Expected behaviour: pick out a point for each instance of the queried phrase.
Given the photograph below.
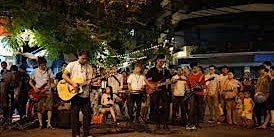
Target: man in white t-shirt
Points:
(115, 80)
(43, 77)
(80, 70)
(211, 94)
(179, 82)
(136, 84)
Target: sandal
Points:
(50, 127)
(261, 127)
(40, 127)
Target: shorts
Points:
(46, 103)
(247, 115)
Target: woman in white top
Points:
(136, 84)
(107, 103)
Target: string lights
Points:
(128, 62)
(138, 51)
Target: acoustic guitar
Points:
(67, 92)
(37, 96)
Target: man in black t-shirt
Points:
(159, 100)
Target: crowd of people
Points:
(141, 95)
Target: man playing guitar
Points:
(43, 78)
(159, 105)
(196, 83)
(80, 70)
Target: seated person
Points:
(107, 103)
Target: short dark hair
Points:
(202, 69)
(101, 69)
(210, 66)
(13, 68)
(179, 67)
(4, 62)
(268, 63)
(230, 71)
(84, 52)
(262, 67)
(41, 60)
(193, 64)
(160, 56)
(225, 66)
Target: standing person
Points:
(58, 76)
(267, 65)
(125, 77)
(230, 91)
(196, 83)
(14, 90)
(101, 85)
(43, 76)
(3, 90)
(211, 93)
(247, 113)
(247, 83)
(24, 89)
(180, 86)
(136, 84)
(145, 101)
(222, 78)
(80, 69)
(261, 94)
(159, 99)
(270, 105)
(116, 82)
(187, 71)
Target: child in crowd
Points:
(107, 103)
(248, 106)
(239, 106)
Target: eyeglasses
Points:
(162, 61)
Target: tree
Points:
(100, 26)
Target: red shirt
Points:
(196, 80)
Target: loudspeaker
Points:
(63, 119)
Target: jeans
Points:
(132, 99)
(196, 107)
(179, 102)
(77, 104)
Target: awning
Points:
(258, 7)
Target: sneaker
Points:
(188, 127)
(193, 127)
(211, 121)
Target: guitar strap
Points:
(116, 79)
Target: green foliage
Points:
(72, 25)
